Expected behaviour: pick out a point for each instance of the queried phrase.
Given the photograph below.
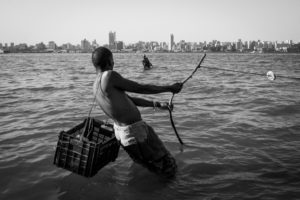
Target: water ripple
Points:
(240, 131)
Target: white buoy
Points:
(271, 76)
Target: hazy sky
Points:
(33, 21)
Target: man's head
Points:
(102, 58)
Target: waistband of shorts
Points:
(135, 124)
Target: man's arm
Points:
(132, 86)
(147, 103)
(141, 102)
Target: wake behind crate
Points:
(87, 147)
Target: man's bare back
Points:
(114, 101)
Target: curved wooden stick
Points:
(171, 100)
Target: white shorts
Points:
(131, 134)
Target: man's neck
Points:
(100, 71)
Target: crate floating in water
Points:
(86, 154)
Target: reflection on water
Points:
(241, 131)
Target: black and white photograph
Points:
(149, 100)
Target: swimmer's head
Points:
(102, 58)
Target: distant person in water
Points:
(137, 138)
(146, 63)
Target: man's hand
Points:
(164, 105)
(176, 87)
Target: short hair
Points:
(100, 57)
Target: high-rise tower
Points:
(172, 43)
(112, 40)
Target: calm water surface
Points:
(242, 132)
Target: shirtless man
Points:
(137, 138)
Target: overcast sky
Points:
(63, 21)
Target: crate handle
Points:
(87, 129)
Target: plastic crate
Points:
(86, 154)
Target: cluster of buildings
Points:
(84, 47)
(114, 45)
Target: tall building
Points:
(172, 43)
(119, 45)
(40, 46)
(85, 45)
(270, 45)
(69, 46)
(112, 40)
(95, 44)
(239, 44)
(276, 45)
(265, 44)
(52, 45)
(290, 42)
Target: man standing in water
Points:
(137, 138)
(146, 63)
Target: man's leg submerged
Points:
(153, 155)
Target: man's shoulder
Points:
(111, 74)
(112, 77)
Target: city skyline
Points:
(110, 40)
(153, 46)
(35, 21)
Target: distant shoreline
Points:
(208, 52)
